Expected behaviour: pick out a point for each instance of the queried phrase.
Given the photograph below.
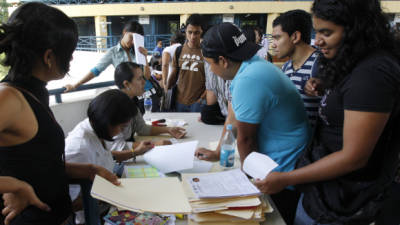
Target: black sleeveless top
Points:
(40, 161)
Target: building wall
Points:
(269, 8)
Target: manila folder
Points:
(156, 195)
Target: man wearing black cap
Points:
(270, 115)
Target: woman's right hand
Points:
(143, 147)
(205, 154)
(313, 87)
(17, 201)
(69, 87)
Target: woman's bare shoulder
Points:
(10, 98)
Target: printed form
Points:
(231, 183)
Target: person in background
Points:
(38, 42)
(122, 52)
(270, 118)
(262, 40)
(129, 79)
(155, 66)
(190, 81)
(108, 114)
(252, 35)
(159, 47)
(176, 41)
(291, 36)
(346, 172)
(217, 98)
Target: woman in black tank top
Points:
(38, 42)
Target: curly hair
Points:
(366, 29)
(31, 30)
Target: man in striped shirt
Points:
(291, 38)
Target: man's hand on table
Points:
(206, 154)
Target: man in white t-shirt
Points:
(176, 40)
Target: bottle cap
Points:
(229, 126)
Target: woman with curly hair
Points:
(348, 168)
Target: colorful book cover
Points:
(125, 217)
(143, 171)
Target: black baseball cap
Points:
(227, 39)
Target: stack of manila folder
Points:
(226, 210)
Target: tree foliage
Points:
(3, 18)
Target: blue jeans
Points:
(90, 204)
(302, 218)
(195, 107)
(119, 169)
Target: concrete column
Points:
(183, 18)
(100, 24)
(271, 18)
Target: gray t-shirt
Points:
(220, 87)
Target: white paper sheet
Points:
(138, 41)
(258, 165)
(170, 158)
(199, 166)
(176, 122)
(231, 183)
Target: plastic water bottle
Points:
(227, 155)
(148, 103)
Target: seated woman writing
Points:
(129, 78)
(108, 114)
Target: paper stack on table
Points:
(226, 197)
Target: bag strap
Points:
(178, 52)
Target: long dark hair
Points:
(32, 29)
(366, 29)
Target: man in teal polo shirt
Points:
(269, 112)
